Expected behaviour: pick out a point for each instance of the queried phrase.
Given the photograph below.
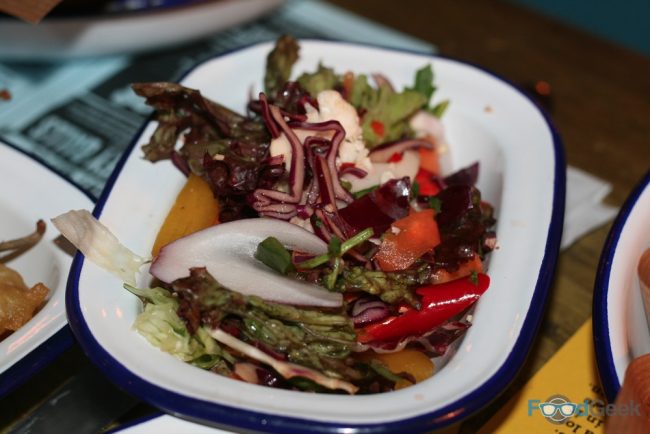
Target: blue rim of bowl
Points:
(223, 416)
(602, 343)
(41, 356)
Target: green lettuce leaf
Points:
(322, 79)
(162, 327)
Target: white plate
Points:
(522, 173)
(621, 331)
(121, 33)
(166, 424)
(28, 192)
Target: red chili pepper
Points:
(378, 128)
(396, 157)
(439, 303)
(428, 187)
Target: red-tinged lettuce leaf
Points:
(179, 109)
(379, 208)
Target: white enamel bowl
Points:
(621, 331)
(29, 191)
(522, 173)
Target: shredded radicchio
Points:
(314, 185)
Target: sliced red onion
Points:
(318, 222)
(297, 171)
(383, 153)
(264, 197)
(227, 252)
(276, 160)
(293, 117)
(337, 138)
(367, 310)
(304, 211)
(353, 171)
(299, 257)
(266, 116)
(313, 192)
(325, 184)
(280, 211)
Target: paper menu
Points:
(569, 376)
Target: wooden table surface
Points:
(600, 103)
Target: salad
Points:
(316, 244)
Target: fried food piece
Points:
(18, 302)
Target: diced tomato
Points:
(465, 269)
(429, 160)
(396, 157)
(428, 187)
(378, 128)
(407, 240)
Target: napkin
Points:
(584, 208)
(32, 11)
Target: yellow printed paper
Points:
(563, 397)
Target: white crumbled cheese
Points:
(354, 152)
(386, 176)
(281, 146)
(332, 106)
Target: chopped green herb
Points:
(415, 189)
(274, 255)
(357, 239)
(473, 277)
(435, 204)
(336, 249)
(346, 184)
(334, 246)
(359, 194)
